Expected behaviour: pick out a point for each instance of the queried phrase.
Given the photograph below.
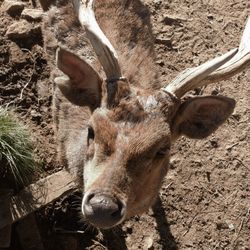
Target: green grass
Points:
(15, 148)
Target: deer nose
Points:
(103, 210)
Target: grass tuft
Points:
(15, 148)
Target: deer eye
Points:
(162, 152)
(91, 135)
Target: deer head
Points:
(131, 129)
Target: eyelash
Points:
(161, 153)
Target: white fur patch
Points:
(91, 172)
(148, 102)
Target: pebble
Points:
(13, 8)
(17, 55)
(32, 14)
(164, 40)
(173, 20)
(43, 89)
(20, 30)
(35, 114)
(148, 242)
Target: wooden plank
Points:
(39, 194)
(5, 214)
(5, 236)
(28, 233)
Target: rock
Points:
(12, 7)
(38, 50)
(214, 143)
(19, 29)
(32, 14)
(43, 89)
(230, 225)
(148, 242)
(163, 40)
(35, 114)
(174, 20)
(221, 225)
(160, 62)
(128, 228)
(210, 16)
(17, 55)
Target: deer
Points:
(115, 122)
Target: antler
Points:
(215, 70)
(102, 46)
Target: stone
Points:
(22, 30)
(19, 29)
(148, 242)
(43, 89)
(13, 8)
(17, 55)
(163, 40)
(32, 14)
(173, 20)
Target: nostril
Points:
(119, 211)
(89, 197)
(116, 214)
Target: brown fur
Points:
(135, 124)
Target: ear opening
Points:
(83, 87)
(199, 117)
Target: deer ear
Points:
(198, 117)
(83, 86)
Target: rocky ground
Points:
(205, 199)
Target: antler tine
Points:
(102, 46)
(215, 70)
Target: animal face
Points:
(128, 154)
(129, 137)
(122, 142)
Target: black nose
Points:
(103, 210)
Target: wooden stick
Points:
(5, 236)
(28, 233)
(38, 195)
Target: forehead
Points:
(138, 120)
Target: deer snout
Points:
(103, 210)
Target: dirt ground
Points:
(204, 202)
